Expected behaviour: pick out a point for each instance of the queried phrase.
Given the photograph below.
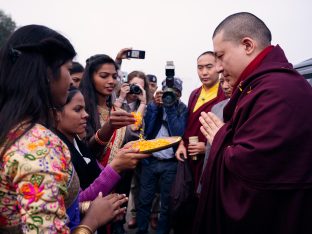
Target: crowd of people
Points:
(67, 165)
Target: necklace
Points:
(104, 114)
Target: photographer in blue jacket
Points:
(162, 120)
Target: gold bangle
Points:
(82, 229)
(98, 140)
(84, 206)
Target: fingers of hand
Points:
(193, 145)
(120, 113)
(114, 200)
(204, 131)
(129, 152)
(121, 199)
(218, 122)
(111, 196)
(128, 145)
(208, 134)
(141, 156)
(121, 122)
(193, 151)
(120, 212)
(181, 155)
(206, 122)
(209, 124)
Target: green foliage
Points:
(7, 26)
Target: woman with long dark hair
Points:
(98, 87)
(37, 180)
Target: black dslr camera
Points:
(135, 89)
(169, 96)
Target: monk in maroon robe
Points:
(258, 178)
(201, 99)
(193, 129)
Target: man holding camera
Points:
(164, 119)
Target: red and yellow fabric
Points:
(115, 141)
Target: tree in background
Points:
(7, 26)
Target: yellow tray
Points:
(172, 141)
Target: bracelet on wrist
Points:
(98, 140)
(82, 229)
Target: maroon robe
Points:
(184, 222)
(258, 178)
(193, 128)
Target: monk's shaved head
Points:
(244, 24)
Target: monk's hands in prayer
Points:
(158, 98)
(196, 148)
(210, 125)
(127, 158)
(105, 209)
(119, 119)
(181, 152)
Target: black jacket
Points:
(87, 173)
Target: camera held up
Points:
(169, 96)
(135, 89)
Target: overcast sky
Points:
(176, 30)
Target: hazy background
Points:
(177, 30)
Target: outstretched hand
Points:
(210, 125)
(119, 119)
(127, 158)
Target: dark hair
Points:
(71, 93)
(76, 68)
(207, 52)
(244, 24)
(142, 76)
(25, 60)
(89, 92)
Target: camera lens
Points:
(169, 98)
(135, 89)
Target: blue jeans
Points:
(155, 171)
